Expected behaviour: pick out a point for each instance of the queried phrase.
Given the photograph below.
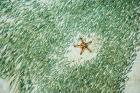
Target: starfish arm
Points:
(82, 50)
(77, 46)
(82, 40)
(89, 42)
(89, 49)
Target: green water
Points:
(32, 32)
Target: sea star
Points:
(83, 45)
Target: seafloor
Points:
(37, 39)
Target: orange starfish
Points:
(83, 45)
